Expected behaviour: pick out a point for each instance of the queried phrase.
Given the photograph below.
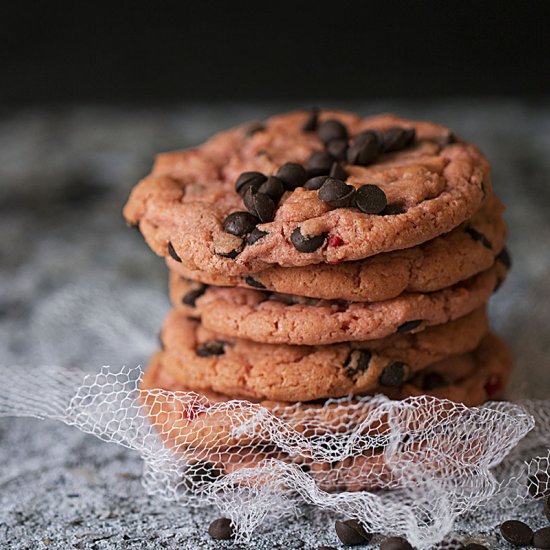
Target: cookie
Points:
(436, 264)
(236, 206)
(202, 359)
(284, 319)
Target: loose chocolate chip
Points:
(394, 374)
(221, 529)
(260, 205)
(338, 148)
(364, 152)
(409, 325)
(315, 183)
(240, 223)
(357, 362)
(475, 546)
(310, 125)
(538, 485)
(199, 474)
(319, 164)
(517, 532)
(392, 210)
(396, 543)
(504, 258)
(541, 538)
(173, 253)
(395, 139)
(210, 348)
(274, 187)
(255, 236)
(331, 129)
(250, 281)
(292, 174)
(477, 236)
(433, 380)
(352, 533)
(337, 171)
(306, 244)
(247, 180)
(336, 193)
(254, 128)
(370, 199)
(191, 297)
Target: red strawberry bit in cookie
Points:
(335, 240)
(493, 386)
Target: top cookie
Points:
(354, 188)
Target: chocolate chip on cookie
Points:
(313, 184)
(392, 210)
(407, 326)
(352, 533)
(173, 253)
(336, 193)
(247, 180)
(477, 236)
(394, 374)
(370, 199)
(364, 149)
(254, 128)
(504, 258)
(395, 139)
(250, 281)
(292, 175)
(337, 171)
(338, 148)
(357, 362)
(191, 297)
(210, 348)
(331, 129)
(260, 205)
(240, 223)
(432, 380)
(255, 236)
(310, 125)
(307, 244)
(274, 187)
(319, 164)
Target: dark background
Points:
(212, 50)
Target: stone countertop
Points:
(74, 283)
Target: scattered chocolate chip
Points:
(396, 543)
(255, 236)
(247, 180)
(475, 546)
(221, 529)
(363, 152)
(254, 128)
(407, 326)
(392, 210)
(504, 258)
(306, 244)
(338, 148)
(199, 474)
(337, 171)
(357, 362)
(274, 187)
(315, 183)
(191, 297)
(394, 374)
(210, 348)
(370, 199)
(260, 205)
(433, 380)
(240, 223)
(331, 129)
(250, 281)
(319, 164)
(541, 538)
(395, 139)
(336, 193)
(352, 533)
(173, 253)
(517, 532)
(310, 125)
(538, 485)
(292, 174)
(477, 236)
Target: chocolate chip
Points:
(370, 199)
(240, 223)
(504, 258)
(319, 164)
(450, 138)
(210, 348)
(250, 281)
(336, 193)
(475, 546)
(368, 136)
(394, 374)
(517, 532)
(326, 548)
(255, 236)
(433, 380)
(310, 125)
(541, 538)
(357, 362)
(247, 180)
(173, 253)
(395, 139)
(392, 210)
(337, 171)
(191, 297)
(363, 152)
(396, 543)
(306, 468)
(221, 529)
(352, 533)
(315, 183)
(199, 474)
(260, 205)
(306, 244)
(538, 485)
(274, 187)
(331, 129)
(477, 236)
(407, 326)
(254, 128)
(292, 174)
(232, 254)
(338, 148)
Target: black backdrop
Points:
(161, 50)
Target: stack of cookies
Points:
(319, 255)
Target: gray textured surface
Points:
(64, 175)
